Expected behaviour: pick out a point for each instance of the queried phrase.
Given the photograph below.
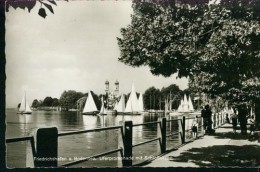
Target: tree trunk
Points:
(2, 85)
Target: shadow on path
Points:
(230, 135)
(222, 156)
(236, 136)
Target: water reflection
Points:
(25, 122)
(89, 121)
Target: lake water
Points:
(88, 144)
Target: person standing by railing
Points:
(194, 127)
(207, 122)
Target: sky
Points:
(73, 49)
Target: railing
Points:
(45, 143)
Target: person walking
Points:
(203, 115)
(234, 120)
(207, 119)
(242, 114)
(194, 127)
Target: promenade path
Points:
(223, 149)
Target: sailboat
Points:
(191, 109)
(24, 107)
(102, 110)
(180, 108)
(90, 107)
(185, 105)
(132, 106)
(120, 107)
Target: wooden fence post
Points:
(128, 142)
(183, 129)
(46, 147)
(163, 134)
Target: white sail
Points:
(27, 109)
(180, 107)
(90, 105)
(191, 109)
(185, 104)
(121, 104)
(24, 106)
(132, 103)
(141, 103)
(102, 109)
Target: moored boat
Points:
(132, 107)
(90, 107)
(103, 110)
(24, 106)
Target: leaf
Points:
(52, 1)
(29, 4)
(42, 12)
(49, 7)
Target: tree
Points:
(216, 46)
(68, 99)
(171, 93)
(152, 98)
(35, 103)
(47, 101)
(55, 102)
(162, 37)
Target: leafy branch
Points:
(30, 4)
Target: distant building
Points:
(111, 96)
